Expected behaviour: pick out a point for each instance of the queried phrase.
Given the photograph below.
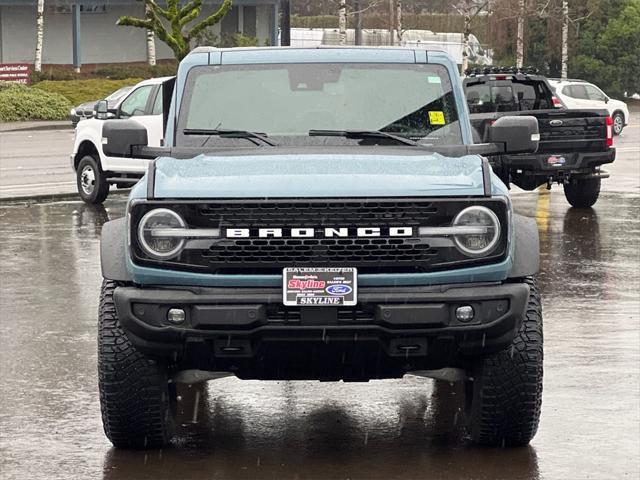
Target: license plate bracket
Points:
(557, 160)
(319, 286)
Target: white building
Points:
(88, 28)
(452, 43)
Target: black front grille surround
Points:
(382, 254)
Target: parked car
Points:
(306, 219)
(574, 144)
(86, 110)
(576, 94)
(94, 170)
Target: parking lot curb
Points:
(51, 197)
(34, 126)
(40, 198)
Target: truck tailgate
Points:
(561, 131)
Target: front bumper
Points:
(406, 322)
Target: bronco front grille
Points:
(270, 255)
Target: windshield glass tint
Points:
(507, 97)
(287, 101)
(118, 94)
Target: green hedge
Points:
(20, 102)
(80, 91)
(121, 72)
(113, 71)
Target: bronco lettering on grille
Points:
(319, 232)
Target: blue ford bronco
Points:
(319, 214)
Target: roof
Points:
(321, 54)
(567, 80)
(308, 49)
(153, 81)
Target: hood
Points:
(87, 105)
(618, 103)
(300, 175)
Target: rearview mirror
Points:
(120, 138)
(102, 109)
(518, 134)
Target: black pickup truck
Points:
(573, 143)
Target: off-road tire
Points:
(507, 387)
(582, 192)
(135, 397)
(618, 123)
(95, 191)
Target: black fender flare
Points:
(526, 256)
(113, 251)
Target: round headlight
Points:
(151, 238)
(477, 244)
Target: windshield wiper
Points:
(231, 133)
(363, 134)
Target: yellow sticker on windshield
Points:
(436, 118)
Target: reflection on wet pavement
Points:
(412, 428)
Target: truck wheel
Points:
(135, 397)
(507, 387)
(582, 193)
(91, 181)
(618, 123)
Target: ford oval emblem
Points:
(339, 289)
(555, 123)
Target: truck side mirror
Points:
(518, 134)
(120, 138)
(102, 110)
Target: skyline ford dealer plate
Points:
(322, 287)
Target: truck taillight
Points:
(556, 102)
(609, 124)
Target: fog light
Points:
(176, 315)
(464, 313)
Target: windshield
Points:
(286, 101)
(118, 94)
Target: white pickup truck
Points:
(95, 171)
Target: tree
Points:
(525, 13)
(399, 21)
(178, 36)
(608, 47)
(565, 39)
(468, 9)
(345, 11)
(39, 35)
(520, 34)
(342, 22)
(151, 42)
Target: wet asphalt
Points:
(50, 425)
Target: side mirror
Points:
(606, 99)
(102, 110)
(518, 134)
(120, 138)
